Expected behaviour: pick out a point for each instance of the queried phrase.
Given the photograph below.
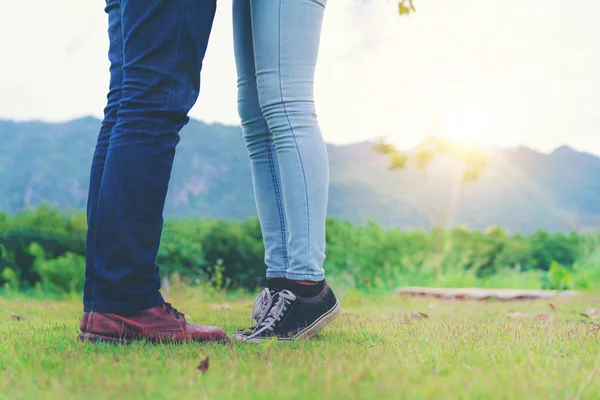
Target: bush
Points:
(62, 275)
(47, 247)
(181, 252)
(238, 249)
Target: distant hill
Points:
(521, 189)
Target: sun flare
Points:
(470, 125)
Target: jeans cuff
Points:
(305, 277)
(276, 274)
(128, 307)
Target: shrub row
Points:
(45, 247)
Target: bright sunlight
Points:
(469, 123)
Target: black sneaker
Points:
(292, 317)
(262, 306)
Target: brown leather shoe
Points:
(159, 324)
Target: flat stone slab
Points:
(483, 294)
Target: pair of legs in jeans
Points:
(156, 53)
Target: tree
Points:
(472, 159)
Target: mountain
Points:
(522, 190)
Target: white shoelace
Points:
(262, 303)
(282, 301)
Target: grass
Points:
(463, 350)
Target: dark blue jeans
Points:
(156, 52)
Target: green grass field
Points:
(379, 348)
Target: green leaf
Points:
(382, 147)
(398, 160)
(423, 156)
(406, 7)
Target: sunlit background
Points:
(497, 73)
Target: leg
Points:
(286, 45)
(259, 141)
(115, 56)
(286, 41)
(164, 43)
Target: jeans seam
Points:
(116, 4)
(295, 142)
(278, 197)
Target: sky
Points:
(502, 73)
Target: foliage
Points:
(45, 247)
(63, 274)
(10, 278)
(473, 159)
(558, 277)
(406, 7)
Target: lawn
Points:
(383, 346)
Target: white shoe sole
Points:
(306, 333)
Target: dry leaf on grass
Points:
(552, 307)
(218, 307)
(406, 316)
(591, 313)
(203, 367)
(545, 317)
(418, 315)
(16, 317)
(517, 315)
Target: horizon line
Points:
(340, 144)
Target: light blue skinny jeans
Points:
(276, 46)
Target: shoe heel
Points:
(321, 323)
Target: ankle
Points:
(309, 283)
(305, 288)
(276, 284)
